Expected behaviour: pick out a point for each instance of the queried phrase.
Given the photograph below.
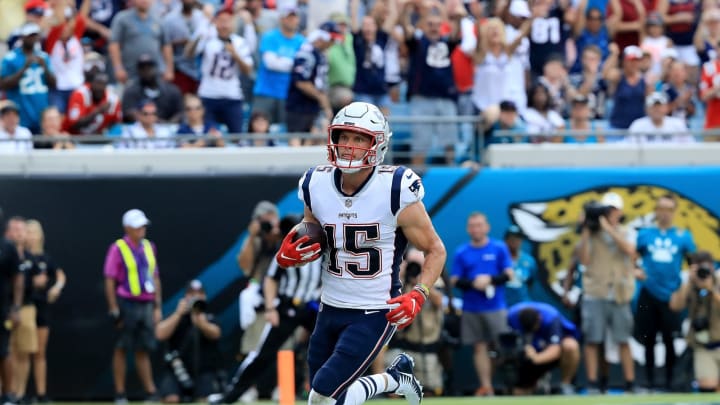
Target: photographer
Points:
(291, 299)
(193, 355)
(606, 249)
(421, 340)
(549, 340)
(700, 294)
(256, 254)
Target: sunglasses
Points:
(147, 113)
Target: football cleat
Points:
(401, 370)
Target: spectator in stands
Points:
(192, 336)
(461, 61)
(518, 13)
(679, 92)
(547, 35)
(655, 42)
(662, 248)
(137, 32)
(196, 124)
(51, 125)
(341, 64)
(524, 268)
(178, 27)
(681, 18)
(607, 251)
(556, 80)
(580, 122)
(369, 44)
(150, 86)
(504, 118)
(134, 297)
(146, 133)
(657, 126)
(27, 77)
(93, 108)
(101, 15)
(44, 282)
(590, 83)
(381, 11)
(541, 120)
(263, 18)
(12, 298)
(421, 340)
(700, 294)
(431, 86)
(553, 342)
(67, 56)
(307, 93)
(35, 11)
(710, 95)
(10, 128)
(224, 56)
(632, 22)
(495, 66)
(627, 86)
(481, 268)
(277, 52)
(260, 124)
(707, 36)
(591, 28)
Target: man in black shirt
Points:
(11, 295)
(192, 356)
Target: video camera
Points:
(510, 356)
(593, 211)
(198, 304)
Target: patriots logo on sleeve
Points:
(415, 187)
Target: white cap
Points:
(30, 29)
(612, 200)
(519, 8)
(655, 98)
(135, 219)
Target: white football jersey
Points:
(220, 75)
(365, 246)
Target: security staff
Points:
(132, 290)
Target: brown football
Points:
(314, 231)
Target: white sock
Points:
(367, 387)
(316, 399)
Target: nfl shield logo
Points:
(348, 203)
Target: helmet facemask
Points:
(369, 159)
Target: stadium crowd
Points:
(648, 68)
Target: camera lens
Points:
(265, 227)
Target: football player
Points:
(369, 213)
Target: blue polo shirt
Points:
(516, 290)
(471, 261)
(553, 326)
(662, 253)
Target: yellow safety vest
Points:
(131, 264)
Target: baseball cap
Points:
(135, 219)
(36, 7)
(633, 52)
(508, 105)
(327, 31)
(513, 230)
(655, 98)
(29, 29)
(7, 106)
(195, 285)
(612, 200)
(224, 10)
(519, 8)
(580, 99)
(146, 60)
(654, 18)
(287, 10)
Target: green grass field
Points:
(664, 399)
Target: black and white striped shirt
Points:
(297, 284)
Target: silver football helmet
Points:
(365, 119)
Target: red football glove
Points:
(409, 305)
(292, 255)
